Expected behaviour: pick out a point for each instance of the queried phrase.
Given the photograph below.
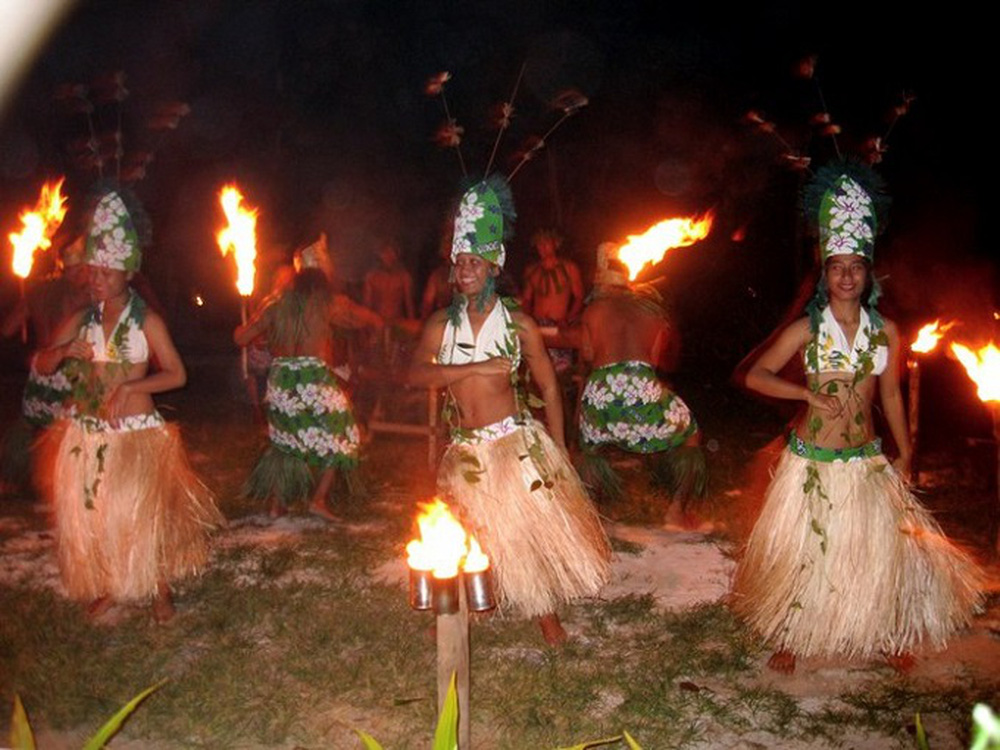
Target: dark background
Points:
(317, 109)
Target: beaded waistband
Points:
(800, 447)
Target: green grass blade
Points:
(21, 736)
(446, 734)
(593, 743)
(921, 735)
(368, 741)
(632, 744)
(111, 728)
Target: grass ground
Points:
(289, 639)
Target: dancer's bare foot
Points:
(321, 511)
(99, 606)
(552, 630)
(163, 604)
(782, 662)
(902, 662)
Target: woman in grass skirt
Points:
(843, 560)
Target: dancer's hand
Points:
(79, 349)
(825, 403)
(903, 467)
(495, 366)
(116, 403)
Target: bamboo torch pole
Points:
(243, 352)
(913, 365)
(453, 658)
(24, 320)
(995, 515)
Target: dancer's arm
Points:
(892, 402)
(170, 375)
(67, 345)
(428, 373)
(763, 375)
(542, 372)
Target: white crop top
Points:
(835, 354)
(127, 342)
(497, 338)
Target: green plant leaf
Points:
(21, 736)
(110, 729)
(593, 743)
(446, 734)
(367, 740)
(921, 735)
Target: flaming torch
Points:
(649, 247)
(926, 341)
(38, 227)
(983, 367)
(239, 238)
(444, 554)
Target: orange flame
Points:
(983, 367)
(239, 237)
(476, 561)
(442, 545)
(39, 225)
(650, 246)
(928, 337)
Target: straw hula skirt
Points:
(517, 493)
(844, 561)
(129, 511)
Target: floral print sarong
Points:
(44, 397)
(308, 414)
(624, 404)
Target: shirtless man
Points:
(510, 481)
(624, 403)
(310, 421)
(553, 287)
(388, 289)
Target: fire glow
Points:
(239, 238)
(649, 247)
(928, 337)
(443, 546)
(983, 367)
(38, 227)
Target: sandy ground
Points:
(679, 569)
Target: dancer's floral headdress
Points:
(484, 219)
(112, 238)
(486, 211)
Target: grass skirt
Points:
(521, 498)
(129, 511)
(866, 571)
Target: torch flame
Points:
(441, 546)
(650, 246)
(928, 337)
(476, 561)
(239, 237)
(39, 225)
(983, 367)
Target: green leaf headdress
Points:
(846, 205)
(485, 218)
(117, 230)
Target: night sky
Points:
(318, 110)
